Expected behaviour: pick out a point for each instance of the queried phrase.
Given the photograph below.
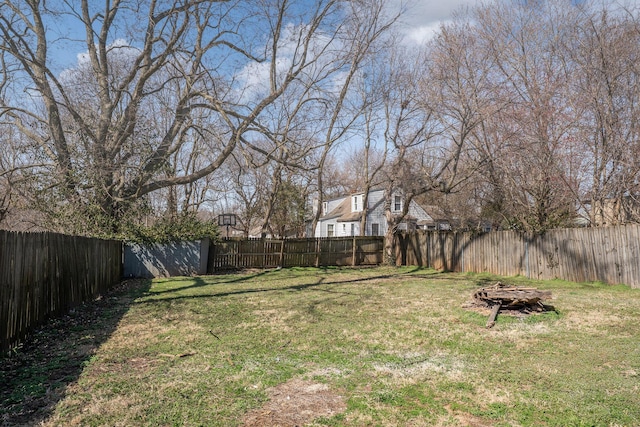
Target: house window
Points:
(397, 203)
(344, 229)
(353, 229)
(375, 229)
(357, 203)
(324, 208)
(330, 230)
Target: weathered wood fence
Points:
(46, 274)
(271, 253)
(606, 254)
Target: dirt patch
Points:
(296, 403)
(467, 420)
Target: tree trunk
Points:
(271, 202)
(365, 211)
(389, 257)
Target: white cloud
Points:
(119, 47)
(253, 80)
(424, 12)
(422, 18)
(119, 51)
(420, 34)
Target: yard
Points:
(338, 347)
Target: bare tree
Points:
(367, 25)
(408, 126)
(371, 158)
(460, 91)
(7, 173)
(244, 189)
(607, 89)
(155, 77)
(429, 131)
(523, 139)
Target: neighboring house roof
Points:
(343, 212)
(436, 213)
(342, 209)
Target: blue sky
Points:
(421, 19)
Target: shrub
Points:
(183, 227)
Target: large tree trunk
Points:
(389, 256)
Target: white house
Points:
(341, 216)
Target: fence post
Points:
(211, 262)
(526, 256)
(353, 252)
(281, 253)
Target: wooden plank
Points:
(40, 276)
(270, 253)
(633, 252)
(491, 321)
(354, 251)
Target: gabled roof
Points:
(343, 211)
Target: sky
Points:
(419, 22)
(423, 17)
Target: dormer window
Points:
(356, 203)
(397, 203)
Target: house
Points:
(341, 216)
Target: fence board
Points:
(607, 254)
(271, 253)
(46, 274)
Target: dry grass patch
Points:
(296, 403)
(419, 367)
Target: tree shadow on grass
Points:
(198, 282)
(238, 276)
(34, 377)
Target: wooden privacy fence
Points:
(46, 274)
(271, 253)
(606, 254)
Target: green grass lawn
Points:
(336, 347)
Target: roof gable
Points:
(342, 212)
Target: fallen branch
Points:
(492, 317)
